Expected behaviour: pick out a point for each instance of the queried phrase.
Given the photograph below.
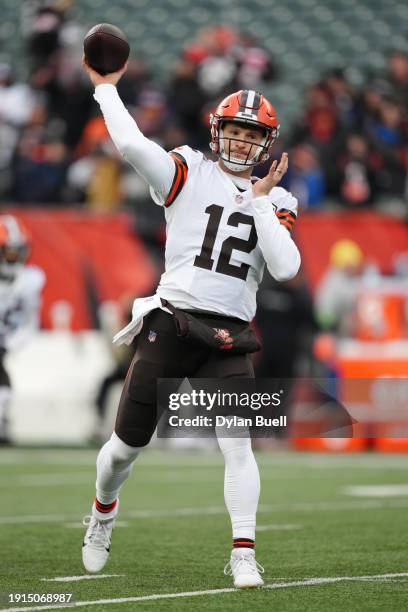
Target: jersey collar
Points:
(242, 184)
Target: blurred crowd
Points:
(352, 145)
(348, 147)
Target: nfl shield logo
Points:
(152, 336)
(239, 199)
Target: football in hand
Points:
(106, 48)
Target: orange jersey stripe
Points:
(180, 177)
(283, 212)
(286, 224)
(287, 219)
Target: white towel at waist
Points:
(141, 307)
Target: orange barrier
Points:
(379, 236)
(375, 361)
(334, 445)
(86, 258)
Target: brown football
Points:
(106, 48)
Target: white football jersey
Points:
(20, 300)
(213, 261)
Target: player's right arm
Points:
(152, 162)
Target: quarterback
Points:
(20, 297)
(222, 229)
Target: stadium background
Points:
(338, 76)
(330, 525)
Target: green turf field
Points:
(323, 549)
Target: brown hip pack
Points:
(198, 333)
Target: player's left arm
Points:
(281, 254)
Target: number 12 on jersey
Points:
(224, 266)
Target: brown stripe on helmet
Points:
(243, 99)
(257, 100)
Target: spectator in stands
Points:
(398, 76)
(336, 294)
(67, 97)
(42, 24)
(187, 101)
(17, 104)
(217, 70)
(342, 95)
(40, 163)
(255, 66)
(355, 172)
(305, 178)
(135, 81)
(369, 102)
(389, 137)
(320, 125)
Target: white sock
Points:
(113, 466)
(241, 485)
(5, 399)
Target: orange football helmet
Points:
(250, 108)
(14, 246)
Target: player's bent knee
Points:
(136, 438)
(120, 452)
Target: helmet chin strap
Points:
(235, 166)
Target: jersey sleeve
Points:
(149, 159)
(281, 254)
(286, 207)
(184, 158)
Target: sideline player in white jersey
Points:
(222, 229)
(20, 298)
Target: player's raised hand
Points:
(98, 79)
(276, 171)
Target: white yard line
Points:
(47, 480)
(319, 506)
(84, 577)
(274, 585)
(278, 527)
(79, 525)
(188, 460)
(54, 479)
(389, 490)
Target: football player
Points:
(222, 228)
(20, 297)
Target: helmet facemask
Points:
(257, 152)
